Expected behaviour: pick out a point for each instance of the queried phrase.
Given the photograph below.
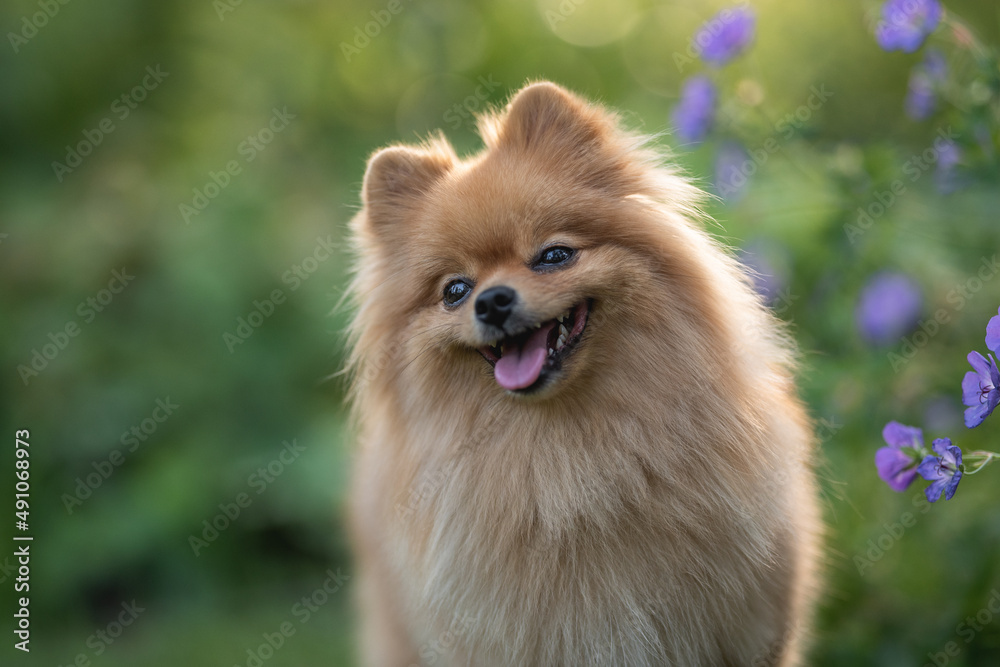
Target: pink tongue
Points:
(520, 367)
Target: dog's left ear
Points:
(544, 114)
(548, 120)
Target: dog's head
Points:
(557, 255)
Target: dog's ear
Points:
(399, 177)
(544, 116)
(550, 123)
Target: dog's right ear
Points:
(397, 179)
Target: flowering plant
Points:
(944, 465)
(907, 25)
(958, 74)
(720, 39)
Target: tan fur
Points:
(653, 506)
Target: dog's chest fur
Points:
(592, 552)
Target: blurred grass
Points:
(162, 336)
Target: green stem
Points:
(982, 458)
(952, 20)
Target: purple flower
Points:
(984, 137)
(943, 470)
(889, 306)
(906, 23)
(921, 99)
(935, 65)
(897, 463)
(993, 333)
(942, 414)
(945, 175)
(768, 279)
(726, 35)
(980, 389)
(694, 115)
(731, 166)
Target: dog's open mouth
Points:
(522, 362)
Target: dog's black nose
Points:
(495, 304)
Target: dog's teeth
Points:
(552, 352)
(563, 332)
(561, 318)
(561, 342)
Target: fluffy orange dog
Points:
(580, 440)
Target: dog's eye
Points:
(554, 256)
(455, 291)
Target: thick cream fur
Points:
(656, 504)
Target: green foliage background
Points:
(163, 335)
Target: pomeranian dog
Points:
(580, 441)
